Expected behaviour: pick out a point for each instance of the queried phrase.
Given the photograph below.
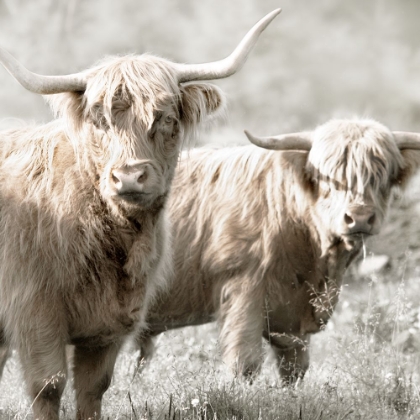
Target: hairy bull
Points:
(262, 238)
(85, 241)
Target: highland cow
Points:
(262, 238)
(85, 241)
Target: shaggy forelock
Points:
(355, 155)
(149, 83)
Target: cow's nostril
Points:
(115, 179)
(142, 177)
(348, 219)
(371, 219)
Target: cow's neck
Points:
(337, 259)
(334, 256)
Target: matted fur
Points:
(80, 265)
(259, 239)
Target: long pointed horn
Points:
(293, 141)
(44, 85)
(407, 140)
(232, 63)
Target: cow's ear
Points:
(70, 105)
(73, 106)
(411, 166)
(200, 102)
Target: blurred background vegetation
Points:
(317, 60)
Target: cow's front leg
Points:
(145, 344)
(293, 362)
(43, 359)
(93, 368)
(241, 321)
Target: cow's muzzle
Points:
(134, 183)
(359, 221)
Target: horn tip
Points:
(248, 134)
(251, 138)
(267, 19)
(270, 16)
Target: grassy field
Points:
(365, 365)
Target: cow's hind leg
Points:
(292, 362)
(4, 350)
(93, 368)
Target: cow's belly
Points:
(170, 313)
(174, 310)
(158, 324)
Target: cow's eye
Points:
(169, 119)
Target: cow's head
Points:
(351, 168)
(128, 116)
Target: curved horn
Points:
(229, 65)
(406, 140)
(293, 141)
(44, 85)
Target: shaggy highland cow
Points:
(85, 240)
(262, 238)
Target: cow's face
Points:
(352, 167)
(135, 118)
